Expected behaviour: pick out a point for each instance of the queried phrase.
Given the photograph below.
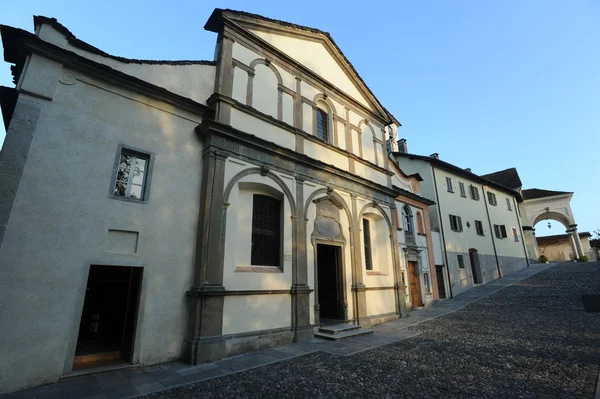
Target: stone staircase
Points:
(336, 332)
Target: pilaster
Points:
(300, 289)
(204, 342)
(358, 287)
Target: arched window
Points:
(406, 219)
(420, 228)
(266, 231)
(322, 124)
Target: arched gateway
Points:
(539, 205)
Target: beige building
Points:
(158, 210)
(558, 248)
(477, 220)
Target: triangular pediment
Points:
(315, 50)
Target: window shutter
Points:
(503, 227)
(460, 228)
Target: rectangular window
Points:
(503, 230)
(479, 227)
(426, 282)
(508, 204)
(497, 231)
(515, 235)
(367, 239)
(463, 193)
(449, 185)
(266, 231)
(131, 175)
(456, 223)
(461, 261)
(322, 125)
(474, 192)
(492, 198)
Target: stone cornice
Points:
(209, 127)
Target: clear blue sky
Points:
(487, 84)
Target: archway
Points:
(545, 205)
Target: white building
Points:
(477, 220)
(157, 210)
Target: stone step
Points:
(338, 328)
(356, 332)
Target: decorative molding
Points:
(376, 273)
(258, 269)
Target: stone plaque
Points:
(328, 227)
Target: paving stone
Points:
(148, 388)
(528, 340)
(119, 391)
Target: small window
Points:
(479, 227)
(426, 282)
(367, 239)
(132, 171)
(461, 261)
(508, 204)
(449, 185)
(503, 230)
(474, 193)
(492, 198)
(456, 223)
(322, 125)
(463, 193)
(266, 231)
(420, 228)
(515, 235)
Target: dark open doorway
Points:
(330, 283)
(475, 267)
(108, 318)
(439, 273)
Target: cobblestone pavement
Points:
(529, 340)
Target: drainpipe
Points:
(442, 230)
(487, 211)
(521, 231)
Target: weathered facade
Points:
(477, 220)
(559, 248)
(213, 207)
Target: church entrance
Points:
(108, 319)
(330, 283)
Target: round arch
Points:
(559, 217)
(325, 99)
(269, 174)
(367, 124)
(268, 64)
(385, 216)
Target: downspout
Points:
(442, 229)
(487, 211)
(521, 231)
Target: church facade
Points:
(160, 210)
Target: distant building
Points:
(560, 247)
(477, 220)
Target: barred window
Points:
(266, 231)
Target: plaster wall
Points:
(256, 313)
(315, 56)
(508, 248)
(561, 250)
(267, 131)
(194, 81)
(66, 182)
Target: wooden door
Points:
(415, 284)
